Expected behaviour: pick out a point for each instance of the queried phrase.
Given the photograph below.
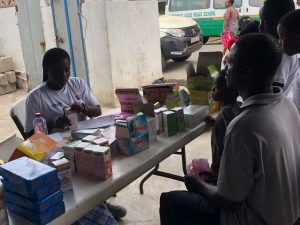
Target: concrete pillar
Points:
(123, 45)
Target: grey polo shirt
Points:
(261, 162)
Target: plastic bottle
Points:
(40, 124)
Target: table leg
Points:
(156, 172)
(146, 178)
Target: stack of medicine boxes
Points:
(32, 190)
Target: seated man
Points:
(289, 34)
(58, 91)
(228, 96)
(270, 15)
(259, 176)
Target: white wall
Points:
(10, 43)
(123, 45)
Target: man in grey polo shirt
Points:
(259, 179)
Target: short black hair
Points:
(232, 2)
(230, 94)
(251, 27)
(291, 21)
(53, 57)
(261, 52)
(274, 10)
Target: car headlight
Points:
(174, 32)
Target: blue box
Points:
(38, 195)
(38, 207)
(38, 218)
(29, 175)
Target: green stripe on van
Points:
(213, 26)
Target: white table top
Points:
(89, 193)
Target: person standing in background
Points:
(230, 26)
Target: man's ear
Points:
(296, 38)
(246, 73)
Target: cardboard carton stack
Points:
(32, 190)
(7, 76)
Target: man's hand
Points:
(62, 123)
(210, 121)
(78, 107)
(193, 183)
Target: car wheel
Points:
(181, 59)
(163, 62)
(205, 40)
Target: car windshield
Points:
(183, 5)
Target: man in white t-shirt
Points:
(289, 34)
(259, 175)
(58, 91)
(288, 70)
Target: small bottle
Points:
(40, 124)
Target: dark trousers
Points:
(187, 208)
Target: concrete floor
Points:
(142, 209)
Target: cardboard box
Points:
(89, 138)
(38, 195)
(37, 147)
(9, 88)
(194, 115)
(6, 64)
(65, 177)
(79, 134)
(136, 126)
(199, 97)
(95, 160)
(29, 175)
(3, 79)
(127, 98)
(170, 123)
(134, 145)
(179, 118)
(39, 206)
(152, 129)
(38, 218)
(157, 92)
(11, 77)
(101, 142)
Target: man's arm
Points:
(226, 20)
(278, 84)
(89, 110)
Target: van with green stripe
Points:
(209, 13)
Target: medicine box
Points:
(179, 118)
(35, 206)
(38, 218)
(90, 138)
(152, 128)
(69, 150)
(132, 146)
(94, 160)
(36, 147)
(79, 134)
(34, 196)
(159, 120)
(194, 115)
(170, 123)
(29, 175)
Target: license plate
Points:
(195, 39)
